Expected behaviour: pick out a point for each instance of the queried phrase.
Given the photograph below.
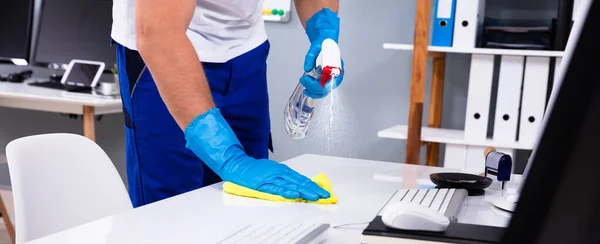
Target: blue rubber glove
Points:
(322, 25)
(211, 138)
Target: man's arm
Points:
(163, 44)
(306, 8)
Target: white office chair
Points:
(61, 181)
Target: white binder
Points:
(479, 96)
(509, 96)
(468, 23)
(535, 87)
(455, 156)
(475, 160)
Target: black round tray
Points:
(474, 184)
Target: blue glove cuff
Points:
(322, 25)
(211, 138)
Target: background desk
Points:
(207, 215)
(23, 96)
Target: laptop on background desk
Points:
(559, 196)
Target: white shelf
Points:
(491, 51)
(448, 136)
(276, 18)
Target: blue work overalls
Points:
(158, 163)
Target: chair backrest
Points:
(60, 181)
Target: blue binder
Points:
(443, 23)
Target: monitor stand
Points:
(508, 198)
(505, 202)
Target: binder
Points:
(455, 156)
(443, 23)
(468, 23)
(535, 87)
(509, 96)
(475, 160)
(479, 96)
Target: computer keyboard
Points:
(48, 84)
(61, 86)
(447, 201)
(278, 233)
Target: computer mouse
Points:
(413, 216)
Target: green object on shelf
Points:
(274, 12)
(281, 12)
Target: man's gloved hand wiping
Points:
(211, 138)
(324, 24)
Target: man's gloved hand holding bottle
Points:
(324, 24)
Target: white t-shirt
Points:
(219, 30)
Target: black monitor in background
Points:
(16, 18)
(74, 29)
(560, 199)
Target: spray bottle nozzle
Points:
(329, 60)
(329, 73)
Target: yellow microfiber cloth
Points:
(320, 179)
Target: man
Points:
(194, 90)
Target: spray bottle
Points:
(300, 108)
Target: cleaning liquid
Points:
(300, 108)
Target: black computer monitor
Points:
(74, 29)
(560, 199)
(16, 18)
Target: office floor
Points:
(4, 238)
(8, 201)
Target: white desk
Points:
(207, 215)
(23, 96)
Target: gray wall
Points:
(373, 96)
(375, 91)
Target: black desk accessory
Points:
(377, 232)
(56, 78)
(474, 184)
(18, 77)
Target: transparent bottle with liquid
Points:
(298, 112)
(300, 107)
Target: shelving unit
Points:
(464, 147)
(490, 51)
(275, 18)
(449, 136)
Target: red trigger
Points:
(326, 75)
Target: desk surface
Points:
(207, 215)
(21, 95)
